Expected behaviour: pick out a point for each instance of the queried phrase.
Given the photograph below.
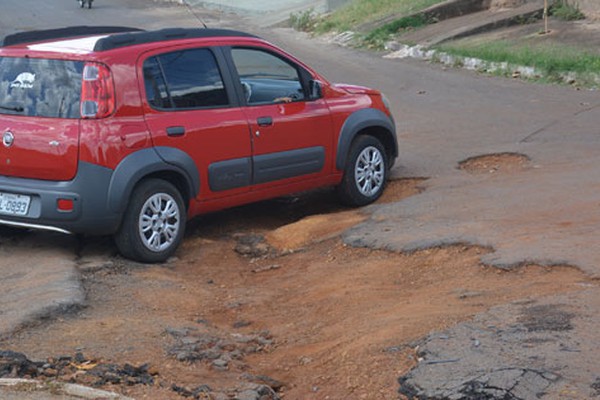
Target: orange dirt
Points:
(344, 321)
(496, 163)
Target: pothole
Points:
(272, 214)
(319, 227)
(399, 189)
(495, 163)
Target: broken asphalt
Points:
(546, 214)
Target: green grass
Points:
(551, 60)
(565, 11)
(358, 12)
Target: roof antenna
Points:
(191, 11)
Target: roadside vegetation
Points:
(361, 12)
(565, 11)
(373, 23)
(552, 62)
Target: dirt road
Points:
(274, 299)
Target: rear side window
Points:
(184, 80)
(40, 87)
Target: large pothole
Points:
(495, 163)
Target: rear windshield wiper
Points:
(18, 109)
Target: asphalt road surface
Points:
(548, 214)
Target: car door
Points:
(291, 132)
(191, 107)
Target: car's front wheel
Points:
(154, 222)
(365, 173)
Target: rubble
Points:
(221, 351)
(81, 370)
(76, 369)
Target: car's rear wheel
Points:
(365, 173)
(154, 222)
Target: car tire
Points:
(365, 173)
(153, 224)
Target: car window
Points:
(184, 79)
(266, 78)
(40, 87)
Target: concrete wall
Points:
(333, 4)
(454, 8)
(591, 8)
(507, 3)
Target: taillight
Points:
(97, 91)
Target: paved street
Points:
(548, 214)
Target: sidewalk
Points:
(474, 23)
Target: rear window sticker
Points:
(24, 80)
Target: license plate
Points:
(14, 204)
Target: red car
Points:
(111, 130)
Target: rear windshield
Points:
(40, 88)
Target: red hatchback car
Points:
(111, 130)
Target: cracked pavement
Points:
(524, 350)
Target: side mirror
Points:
(315, 89)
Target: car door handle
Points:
(264, 121)
(175, 131)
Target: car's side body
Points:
(224, 117)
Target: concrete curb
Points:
(25, 388)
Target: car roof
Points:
(86, 39)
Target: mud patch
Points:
(496, 163)
(317, 228)
(272, 214)
(334, 315)
(313, 229)
(399, 189)
(340, 320)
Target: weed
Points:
(458, 63)
(566, 11)
(303, 20)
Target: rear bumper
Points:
(88, 191)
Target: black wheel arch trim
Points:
(359, 121)
(136, 166)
